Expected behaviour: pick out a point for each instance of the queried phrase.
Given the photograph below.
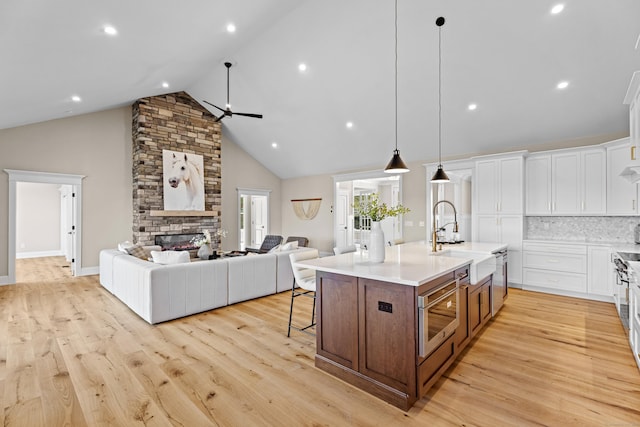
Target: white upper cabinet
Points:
(538, 185)
(622, 195)
(499, 185)
(567, 183)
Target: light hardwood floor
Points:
(72, 354)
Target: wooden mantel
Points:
(183, 213)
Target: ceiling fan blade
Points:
(220, 118)
(213, 105)
(257, 116)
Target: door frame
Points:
(75, 181)
(252, 192)
(356, 176)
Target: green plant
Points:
(372, 208)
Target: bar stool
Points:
(305, 278)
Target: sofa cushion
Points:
(170, 257)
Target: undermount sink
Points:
(482, 265)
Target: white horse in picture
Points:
(184, 181)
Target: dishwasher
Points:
(499, 287)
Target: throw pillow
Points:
(276, 248)
(289, 246)
(170, 257)
(139, 251)
(125, 246)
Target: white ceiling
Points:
(507, 56)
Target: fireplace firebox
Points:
(178, 242)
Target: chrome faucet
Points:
(434, 236)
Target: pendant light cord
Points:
(440, 96)
(396, 71)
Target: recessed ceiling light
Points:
(302, 67)
(349, 125)
(231, 28)
(76, 98)
(472, 106)
(557, 9)
(562, 85)
(274, 145)
(165, 85)
(108, 29)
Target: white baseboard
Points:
(88, 271)
(4, 280)
(38, 254)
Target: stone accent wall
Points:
(173, 122)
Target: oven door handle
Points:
(443, 297)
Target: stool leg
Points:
(293, 287)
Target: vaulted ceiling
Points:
(505, 56)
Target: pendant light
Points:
(396, 165)
(440, 176)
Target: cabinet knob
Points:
(633, 152)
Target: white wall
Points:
(240, 170)
(96, 145)
(37, 219)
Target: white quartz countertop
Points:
(410, 264)
(489, 248)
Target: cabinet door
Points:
(593, 175)
(510, 185)
(565, 181)
(538, 185)
(622, 196)
(514, 266)
(486, 178)
(488, 228)
(337, 331)
(463, 333)
(387, 334)
(475, 316)
(485, 301)
(510, 231)
(600, 271)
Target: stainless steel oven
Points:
(625, 277)
(438, 314)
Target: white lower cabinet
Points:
(558, 267)
(575, 269)
(600, 272)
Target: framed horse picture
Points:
(183, 181)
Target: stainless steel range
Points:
(625, 276)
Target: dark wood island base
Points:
(367, 333)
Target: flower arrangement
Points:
(202, 240)
(372, 208)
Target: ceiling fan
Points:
(227, 111)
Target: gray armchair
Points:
(270, 241)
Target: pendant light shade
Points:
(396, 165)
(440, 176)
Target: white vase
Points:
(376, 242)
(204, 251)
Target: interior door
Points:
(72, 231)
(258, 220)
(342, 219)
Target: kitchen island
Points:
(371, 331)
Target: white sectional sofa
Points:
(158, 293)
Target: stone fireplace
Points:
(173, 122)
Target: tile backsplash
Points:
(581, 228)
